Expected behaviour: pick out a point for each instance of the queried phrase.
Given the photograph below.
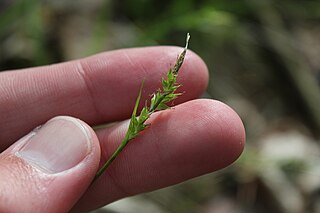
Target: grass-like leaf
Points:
(159, 101)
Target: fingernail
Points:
(60, 144)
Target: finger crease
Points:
(87, 82)
(133, 64)
(115, 182)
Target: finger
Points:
(49, 169)
(192, 139)
(98, 89)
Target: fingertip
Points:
(197, 73)
(95, 144)
(50, 168)
(231, 127)
(211, 132)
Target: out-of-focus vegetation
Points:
(264, 61)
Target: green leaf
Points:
(162, 106)
(170, 97)
(134, 113)
(144, 115)
(133, 125)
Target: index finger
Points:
(97, 89)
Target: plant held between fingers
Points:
(159, 101)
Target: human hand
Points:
(51, 169)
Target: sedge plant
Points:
(158, 102)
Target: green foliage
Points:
(158, 102)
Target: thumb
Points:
(50, 168)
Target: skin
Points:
(196, 137)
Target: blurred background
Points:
(264, 61)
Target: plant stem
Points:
(160, 98)
(111, 159)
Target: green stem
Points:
(113, 157)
